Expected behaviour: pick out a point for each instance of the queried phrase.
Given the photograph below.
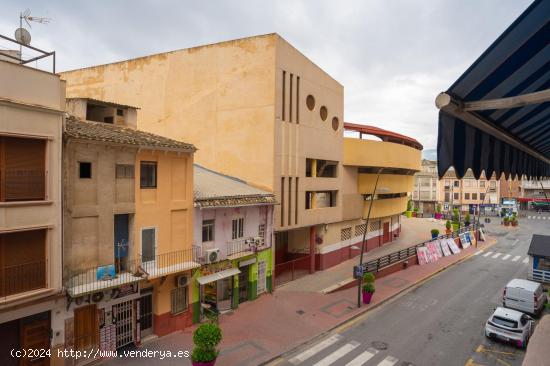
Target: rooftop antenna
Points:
(21, 34)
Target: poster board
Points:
(445, 248)
(438, 248)
(464, 240)
(473, 237)
(452, 245)
(422, 254)
(432, 252)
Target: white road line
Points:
(315, 349)
(544, 217)
(516, 258)
(363, 357)
(526, 260)
(388, 361)
(478, 252)
(539, 217)
(340, 352)
(515, 242)
(506, 257)
(528, 217)
(487, 254)
(496, 255)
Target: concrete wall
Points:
(370, 153)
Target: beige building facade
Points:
(32, 106)
(425, 194)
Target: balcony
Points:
(370, 153)
(393, 183)
(385, 207)
(85, 281)
(21, 278)
(535, 185)
(233, 249)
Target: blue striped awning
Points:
(514, 141)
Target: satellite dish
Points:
(22, 36)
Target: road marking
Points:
(526, 260)
(388, 361)
(340, 352)
(544, 217)
(487, 254)
(506, 257)
(363, 357)
(539, 217)
(315, 349)
(528, 217)
(478, 252)
(515, 242)
(516, 258)
(496, 255)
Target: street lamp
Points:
(374, 191)
(489, 189)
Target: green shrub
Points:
(448, 225)
(369, 287)
(204, 354)
(206, 337)
(416, 209)
(456, 215)
(368, 278)
(438, 208)
(409, 205)
(506, 219)
(435, 232)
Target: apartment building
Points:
(234, 239)
(425, 194)
(32, 104)
(257, 109)
(128, 211)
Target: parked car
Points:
(510, 326)
(524, 295)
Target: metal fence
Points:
(292, 270)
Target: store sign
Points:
(508, 201)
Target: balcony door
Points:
(148, 247)
(121, 237)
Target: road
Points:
(440, 322)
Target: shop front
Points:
(30, 332)
(216, 287)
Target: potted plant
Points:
(415, 212)
(514, 219)
(408, 213)
(448, 230)
(467, 219)
(506, 221)
(438, 215)
(206, 337)
(368, 287)
(435, 233)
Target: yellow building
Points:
(128, 198)
(257, 109)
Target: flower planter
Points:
(438, 216)
(514, 223)
(434, 235)
(448, 232)
(367, 297)
(210, 363)
(506, 223)
(408, 213)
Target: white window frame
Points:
(213, 230)
(234, 235)
(155, 228)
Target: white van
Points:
(523, 295)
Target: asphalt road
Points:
(440, 322)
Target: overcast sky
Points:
(392, 56)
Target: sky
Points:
(392, 56)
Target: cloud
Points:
(393, 57)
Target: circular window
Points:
(335, 123)
(310, 102)
(324, 113)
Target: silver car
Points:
(510, 326)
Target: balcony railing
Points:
(535, 185)
(20, 278)
(539, 275)
(84, 281)
(233, 248)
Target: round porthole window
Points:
(310, 102)
(323, 112)
(335, 123)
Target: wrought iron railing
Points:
(21, 278)
(83, 281)
(233, 247)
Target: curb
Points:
(280, 357)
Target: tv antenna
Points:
(21, 34)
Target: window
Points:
(238, 228)
(84, 170)
(297, 99)
(119, 112)
(290, 97)
(148, 174)
(283, 96)
(505, 322)
(493, 184)
(447, 183)
(482, 183)
(474, 196)
(108, 119)
(482, 196)
(179, 301)
(457, 183)
(309, 167)
(207, 230)
(466, 196)
(321, 168)
(22, 169)
(455, 196)
(447, 196)
(320, 199)
(124, 171)
(543, 264)
(148, 244)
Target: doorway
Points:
(387, 237)
(124, 314)
(121, 237)
(35, 334)
(86, 330)
(146, 312)
(148, 245)
(243, 284)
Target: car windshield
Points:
(505, 322)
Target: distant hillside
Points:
(429, 154)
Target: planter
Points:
(434, 235)
(506, 223)
(415, 214)
(211, 363)
(367, 297)
(514, 223)
(438, 216)
(408, 213)
(448, 232)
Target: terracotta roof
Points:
(108, 133)
(213, 189)
(379, 132)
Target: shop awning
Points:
(496, 116)
(218, 275)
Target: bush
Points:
(435, 232)
(448, 225)
(368, 278)
(456, 215)
(369, 287)
(506, 219)
(206, 337)
(409, 205)
(415, 209)
(438, 208)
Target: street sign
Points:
(358, 271)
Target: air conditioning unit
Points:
(181, 281)
(212, 255)
(258, 241)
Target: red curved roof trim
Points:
(383, 134)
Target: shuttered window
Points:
(22, 169)
(22, 261)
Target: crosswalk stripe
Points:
(506, 257)
(496, 255)
(315, 349)
(528, 217)
(340, 352)
(516, 258)
(478, 252)
(544, 217)
(487, 254)
(526, 260)
(388, 361)
(363, 357)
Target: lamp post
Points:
(360, 279)
(482, 202)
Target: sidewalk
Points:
(413, 231)
(274, 324)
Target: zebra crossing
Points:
(333, 351)
(505, 257)
(539, 217)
